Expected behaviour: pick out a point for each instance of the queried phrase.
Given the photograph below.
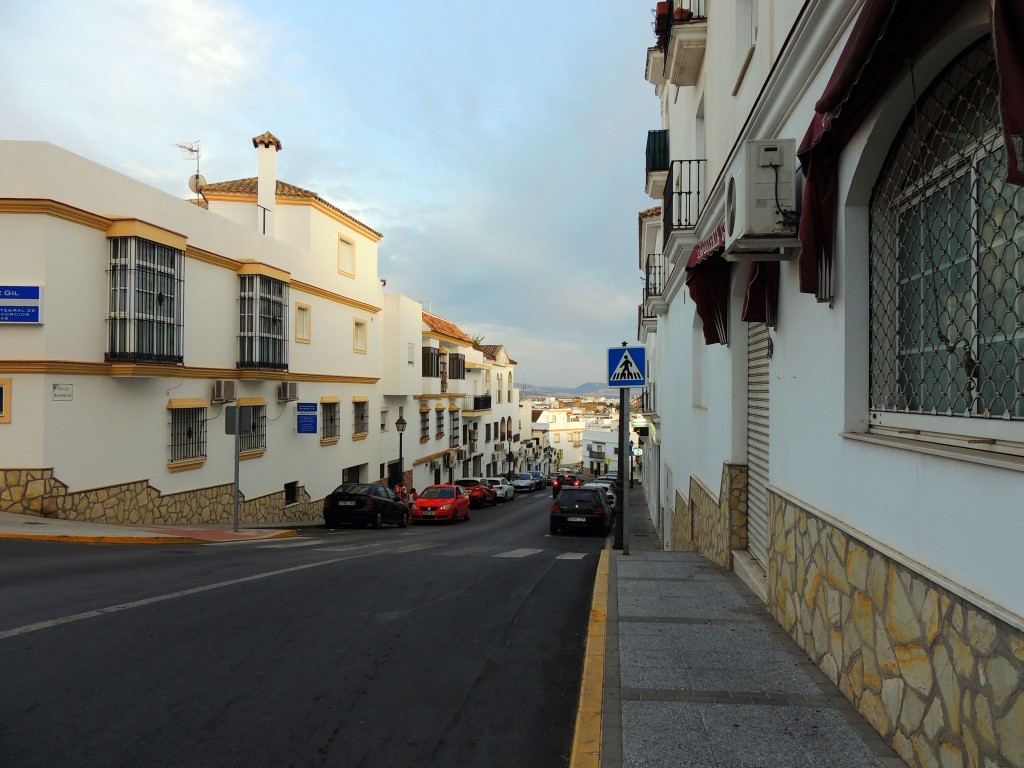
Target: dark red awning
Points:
(707, 277)
(888, 34)
(761, 298)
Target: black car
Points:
(565, 480)
(580, 508)
(366, 504)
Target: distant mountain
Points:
(590, 389)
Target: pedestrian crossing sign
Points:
(627, 366)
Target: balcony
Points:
(596, 453)
(654, 279)
(476, 403)
(646, 401)
(684, 197)
(646, 321)
(682, 32)
(657, 163)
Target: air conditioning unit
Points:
(463, 455)
(223, 391)
(449, 460)
(435, 465)
(761, 216)
(288, 390)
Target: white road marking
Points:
(519, 553)
(291, 544)
(24, 630)
(572, 556)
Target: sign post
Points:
(237, 422)
(627, 367)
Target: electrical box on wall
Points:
(761, 216)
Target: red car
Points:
(441, 502)
(480, 492)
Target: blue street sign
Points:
(627, 366)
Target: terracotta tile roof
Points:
(267, 140)
(247, 187)
(445, 328)
(490, 350)
(655, 211)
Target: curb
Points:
(586, 741)
(66, 537)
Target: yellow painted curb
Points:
(586, 741)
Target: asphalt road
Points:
(429, 646)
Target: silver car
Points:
(523, 482)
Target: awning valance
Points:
(707, 277)
(887, 35)
(761, 298)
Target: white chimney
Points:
(267, 146)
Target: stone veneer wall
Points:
(937, 676)
(720, 525)
(682, 525)
(38, 492)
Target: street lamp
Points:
(400, 426)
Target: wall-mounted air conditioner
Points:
(462, 454)
(761, 216)
(435, 465)
(449, 460)
(223, 391)
(288, 390)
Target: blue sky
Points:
(499, 147)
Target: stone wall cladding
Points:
(937, 676)
(682, 530)
(720, 525)
(37, 492)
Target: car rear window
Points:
(467, 483)
(435, 492)
(353, 488)
(526, 477)
(576, 495)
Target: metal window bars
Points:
(361, 418)
(331, 417)
(684, 196)
(188, 434)
(257, 438)
(947, 256)
(262, 323)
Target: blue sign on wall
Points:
(21, 304)
(305, 418)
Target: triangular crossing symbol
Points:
(626, 370)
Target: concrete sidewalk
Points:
(15, 526)
(697, 673)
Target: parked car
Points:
(538, 478)
(502, 487)
(550, 479)
(480, 492)
(364, 504)
(441, 502)
(523, 482)
(608, 491)
(580, 508)
(565, 480)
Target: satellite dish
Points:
(196, 183)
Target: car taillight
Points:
(370, 504)
(555, 509)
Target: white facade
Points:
(85, 416)
(940, 496)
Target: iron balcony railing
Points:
(477, 403)
(657, 151)
(654, 281)
(647, 401)
(684, 196)
(667, 14)
(593, 453)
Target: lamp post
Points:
(400, 426)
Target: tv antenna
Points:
(195, 182)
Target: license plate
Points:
(577, 519)
(346, 503)
(427, 513)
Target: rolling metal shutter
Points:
(758, 354)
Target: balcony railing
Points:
(684, 196)
(646, 401)
(657, 151)
(594, 453)
(668, 14)
(477, 403)
(655, 278)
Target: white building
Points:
(840, 416)
(131, 321)
(560, 430)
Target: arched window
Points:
(947, 263)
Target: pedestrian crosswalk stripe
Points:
(290, 544)
(519, 553)
(572, 556)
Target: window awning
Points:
(887, 34)
(707, 277)
(761, 298)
